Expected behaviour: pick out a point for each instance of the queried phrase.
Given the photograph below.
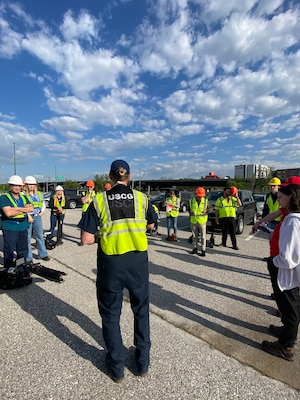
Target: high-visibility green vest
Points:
(37, 204)
(13, 201)
(273, 206)
(123, 235)
(226, 208)
(85, 206)
(174, 212)
(199, 216)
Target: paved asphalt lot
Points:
(208, 318)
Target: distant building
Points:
(284, 174)
(248, 171)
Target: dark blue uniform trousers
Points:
(129, 270)
(14, 242)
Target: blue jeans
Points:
(172, 222)
(37, 227)
(129, 270)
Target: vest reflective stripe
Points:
(85, 206)
(175, 210)
(199, 217)
(273, 206)
(123, 235)
(226, 208)
(37, 204)
(13, 201)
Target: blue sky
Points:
(178, 88)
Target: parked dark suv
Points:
(184, 195)
(73, 197)
(246, 214)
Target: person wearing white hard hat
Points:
(15, 221)
(57, 204)
(36, 199)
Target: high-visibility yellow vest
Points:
(85, 206)
(123, 235)
(37, 204)
(199, 217)
(226, 208)
(13, 201)
(273, 206)
(174, 211)
(59, 203)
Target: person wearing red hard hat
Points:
(86, 199)
(225, 208)
(198, 218)
(107, 186)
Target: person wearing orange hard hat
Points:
(225, 208)
(87, 198)
(107, 186)
(198, 217)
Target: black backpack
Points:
(49, 243)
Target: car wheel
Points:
(184, 208)
(46, 203)
(72, 204)
(240, 225)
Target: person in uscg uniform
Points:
(225, 208)
(198, 218)
(122, 216)
(15, 221)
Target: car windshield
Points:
(214, 195)
(259, 197)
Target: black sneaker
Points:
(276, 349)
(202, 254)
(235, 248)
(194, 251)
(117, 379)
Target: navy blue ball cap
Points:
(115, 165)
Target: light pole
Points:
(15, 161)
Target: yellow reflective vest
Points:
(85, 206)
(122, 235)
(172, 206)
(200, 211)
(13, 201)
(273, 206)
(226, 208)
(37, 204)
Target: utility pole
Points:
(15, 162)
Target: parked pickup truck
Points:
(246, 214)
